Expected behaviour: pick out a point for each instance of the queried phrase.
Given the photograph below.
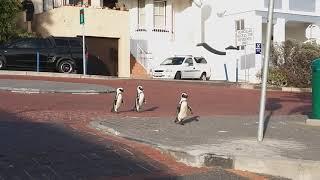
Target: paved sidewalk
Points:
(36, 86)
(290, 149)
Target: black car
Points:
(62, 54)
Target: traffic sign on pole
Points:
(81, 16)
(244, 37)
(83, 42)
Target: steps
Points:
(137, 70)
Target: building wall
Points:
(64, 21)
(214, 23)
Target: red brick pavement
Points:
(162, 98)
(75, 111)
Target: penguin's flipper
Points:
(178, 109)
(190, 109)
(135, 105)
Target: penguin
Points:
(183, 109)
(140, 99)
(118, 100)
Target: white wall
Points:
(219, 32)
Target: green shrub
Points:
(290, 64)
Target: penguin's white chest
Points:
(183, 113)
(141, 99)
(119, 101)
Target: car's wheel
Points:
(203, 77)
(66, 66)
(2, 64)
(178, 75)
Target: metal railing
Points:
(143, 58)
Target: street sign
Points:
(244, 37)
(258, 51)
(83, 42)
(258, 48)
(258, 45)
(81, 16)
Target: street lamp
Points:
(265, 72)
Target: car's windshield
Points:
(173, 61)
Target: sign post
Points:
(83, 42)
(265, 72)
(243, 38)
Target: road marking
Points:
(144, 168)
(84, 156)
(27, 173)
(52, 170)
(222, 131)
(127, 151)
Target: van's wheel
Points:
(178, 75)
(203, 77)
(66, 66)
(2, 64)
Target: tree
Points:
(9, 10)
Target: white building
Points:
(163, 28)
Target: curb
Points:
(99, 77)
(39, 91)
(293, 169)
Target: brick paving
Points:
(45, 136)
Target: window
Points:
(189, 61)
(240, 26)
(40, 43)
(306, 5)
(200, 60)
(75, 43)
(159, 14)
(141, 14)
(173, 61)
(61, 42)
(25, 44)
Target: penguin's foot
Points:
(176, 120)
(181, 123)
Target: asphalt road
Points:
(45, 136)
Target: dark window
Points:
(173, 61)
(75, 43)
(61, 42)
(24, 44)
(40, 43)
(201, 60)
(189, 61)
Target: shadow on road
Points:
(191, 119)
(34, 150)
(272, 105)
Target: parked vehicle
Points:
(61, 54)
(183, 67)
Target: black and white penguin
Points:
(140, 99)
(118, 100)
(183, 109)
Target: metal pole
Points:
(84, 51)
(245, 63)
(237, 71)
(265, 71)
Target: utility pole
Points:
(265, 71)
